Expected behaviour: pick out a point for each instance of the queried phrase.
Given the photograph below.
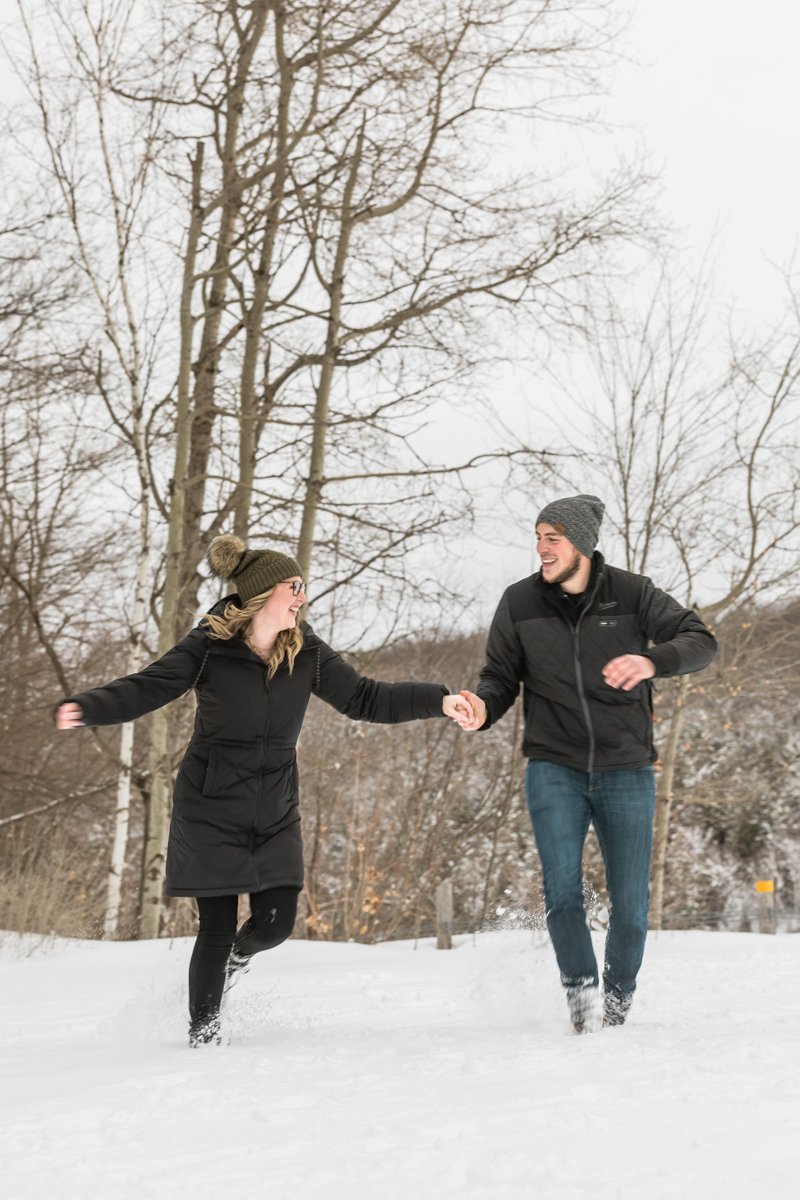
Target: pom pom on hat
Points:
(224, 555)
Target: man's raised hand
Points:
(628, 670)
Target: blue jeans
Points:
(620, 804)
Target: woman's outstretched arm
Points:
(132, 696)
(365, 699)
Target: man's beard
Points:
(570, 570)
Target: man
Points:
(585, 639)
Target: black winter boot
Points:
(205, 1030)
(237, 965)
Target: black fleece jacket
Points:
(572, 716)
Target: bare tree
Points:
(48, 550)
(700, 463)
(106, 214)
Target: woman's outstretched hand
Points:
(69, 716)
(459, 709)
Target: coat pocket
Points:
(233, 770)
(279, 790)
(192, 773)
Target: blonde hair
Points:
(237, 620)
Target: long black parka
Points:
(235, 818)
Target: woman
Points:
(235, 824)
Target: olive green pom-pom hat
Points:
(251, 572)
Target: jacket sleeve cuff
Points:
(430, 697)
(487, 724)
(84, 702)
(665, 659)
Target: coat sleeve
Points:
(681, 642)
(363, 699)
(498, 683)
(134, 695)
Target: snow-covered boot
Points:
(237, 965)
(584, 1007)
(205, 1030)
(616, 1006)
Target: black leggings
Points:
(271, 920)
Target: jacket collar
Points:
(553, 594)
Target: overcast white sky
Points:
(716, 98)
(710, 94)
(713, 90)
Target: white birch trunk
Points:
(120, 843)
(122, 810)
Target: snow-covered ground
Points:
(400, 1071)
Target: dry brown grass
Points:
(41, 891)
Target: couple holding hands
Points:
(583, 638)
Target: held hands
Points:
(459, 709)
(466, 709)
(69, 716)
(478, 710)
(628, 670)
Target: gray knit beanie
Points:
(251, 572)
(578, 518)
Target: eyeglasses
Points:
(297, 586)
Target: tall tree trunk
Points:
(160, 760)
(203, 416)
(316, 468)
(156, 827)
(251, 421)
(119, 844)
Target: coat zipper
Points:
(582, 695)
(265, 678)
(587, 716)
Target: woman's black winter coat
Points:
(235, 818)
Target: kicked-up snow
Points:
(399, 1071)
